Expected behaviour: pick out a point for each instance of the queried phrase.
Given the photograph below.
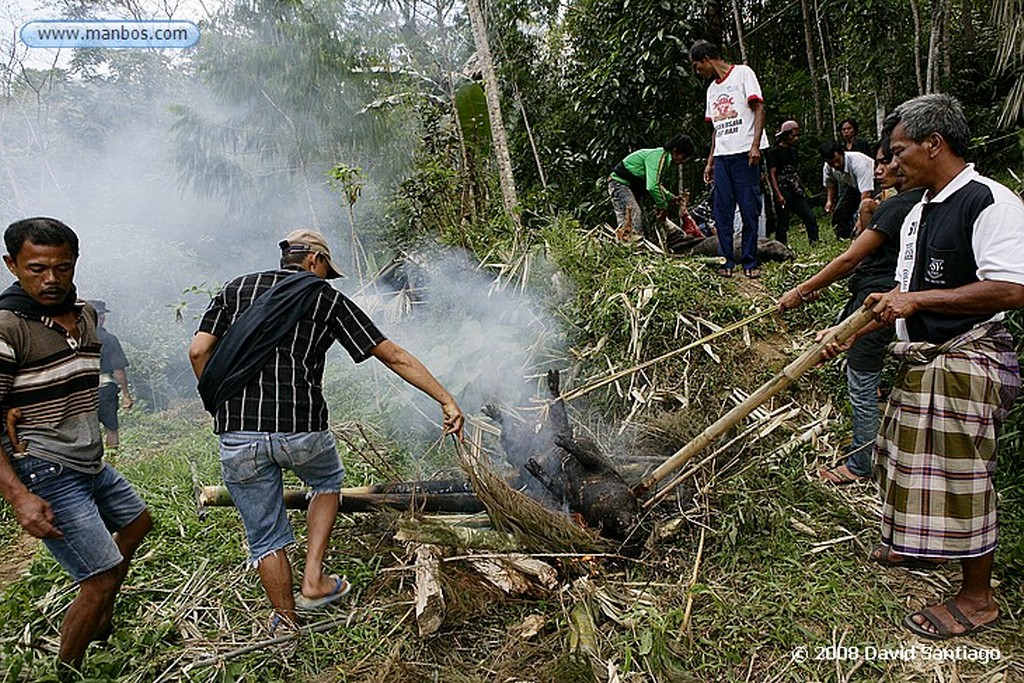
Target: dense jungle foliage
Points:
(368, 120)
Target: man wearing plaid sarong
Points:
(961, 266)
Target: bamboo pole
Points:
(804, 362)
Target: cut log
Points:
(430, 606)
(360, 499)
(454, 535)
(516, 574)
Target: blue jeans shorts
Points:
(251, 463)
(87, 509)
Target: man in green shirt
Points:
(638, 175)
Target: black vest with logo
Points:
(945, 259)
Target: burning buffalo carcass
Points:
(565, 472)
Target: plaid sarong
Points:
(936, 448)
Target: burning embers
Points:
(565, 472)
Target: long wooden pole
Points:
(360, 499)
(804, 362)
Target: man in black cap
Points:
(113, 376)
(259, 355)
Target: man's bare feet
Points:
(839, 476)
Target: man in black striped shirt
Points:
(279, 417)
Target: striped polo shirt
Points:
(287, 394)
(52, 378)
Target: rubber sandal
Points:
(970, 628)
(723, 272)
(341, 589)
(752, 273)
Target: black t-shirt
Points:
(888, 220)
(859, 145)
(784, 160)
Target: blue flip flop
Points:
(341, 589)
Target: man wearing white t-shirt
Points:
(852, 175)
(736, 112)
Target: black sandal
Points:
(943, 632)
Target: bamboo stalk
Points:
(789, 374)
(360, 499)
(693, 582)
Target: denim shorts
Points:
(87, 509)
(251, 463)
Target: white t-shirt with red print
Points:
(730, 113)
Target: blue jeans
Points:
(737, 183)
(87, 509)
(251, 463)
(862, 386)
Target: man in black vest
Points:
(275, 417)
(960, 267)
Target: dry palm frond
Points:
(513, 268)
(535, 527)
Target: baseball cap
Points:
(787, 126)
(298, 241)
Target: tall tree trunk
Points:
(739, 30)
(916, 14)
(498, 137)
(879, 114)
(947, 44)
(967, 7)
(933, 47)
(715, 22)
(824, 62)
(812, 67)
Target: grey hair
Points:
(935, 113)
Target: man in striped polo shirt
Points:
(51, 466)
(276, 416)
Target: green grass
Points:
(782, 565)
